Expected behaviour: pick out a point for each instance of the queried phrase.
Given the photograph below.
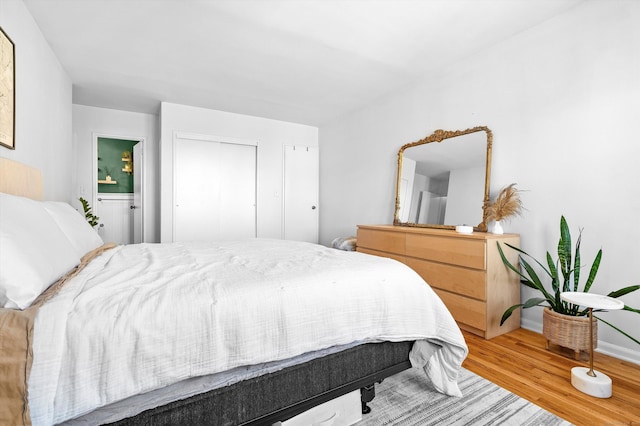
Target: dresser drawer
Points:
(381, 240)
(464, 310)
(393, 256)
(465, 270)
(470, 282)
(454, 251)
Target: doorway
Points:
(118, 195)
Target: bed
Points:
(231, 332)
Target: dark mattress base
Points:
(283, 394)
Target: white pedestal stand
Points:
(584, 379)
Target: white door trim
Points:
(213, 138)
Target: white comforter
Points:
(140, 317)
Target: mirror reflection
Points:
(443, 180)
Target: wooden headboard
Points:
(19, 179)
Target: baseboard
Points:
(603, 347)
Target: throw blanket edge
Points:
(16, 347)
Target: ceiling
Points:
(304, 61)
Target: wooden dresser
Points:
(465, 270)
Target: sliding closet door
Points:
(215, 190)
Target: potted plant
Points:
(88, 213)
(564, 323)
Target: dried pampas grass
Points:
(506, 204)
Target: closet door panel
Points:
(195, 207)
(300, 193)
(215, 190)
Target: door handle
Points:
(313, 207)
(132, 207)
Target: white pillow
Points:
(82, 236)
(34, 252)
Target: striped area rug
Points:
(408, 399)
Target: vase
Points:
(497, 228)
(568, 331)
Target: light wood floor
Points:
(519, 362)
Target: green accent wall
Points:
(110, 162)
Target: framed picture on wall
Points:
(7, 91)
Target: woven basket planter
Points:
(568, 331)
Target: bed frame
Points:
(266, 399)
(284, 394)
(19, 179)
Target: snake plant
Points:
(564, 273)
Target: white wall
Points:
(271, 134)
(43, 103)
(91, 121)
(563, 101)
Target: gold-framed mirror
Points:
(443, 180)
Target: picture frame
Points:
(7, 91)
